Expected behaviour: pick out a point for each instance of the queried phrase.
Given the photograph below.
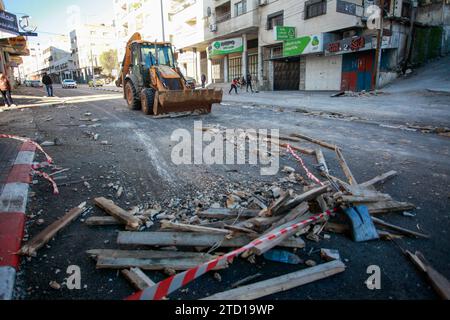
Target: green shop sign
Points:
(228, 46)
(303, 45)
(284, 33)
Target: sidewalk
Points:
(15, 166)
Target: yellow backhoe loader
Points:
(152, 82)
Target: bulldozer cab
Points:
(146, 55)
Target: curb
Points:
(13, 203)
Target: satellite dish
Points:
(208, 11)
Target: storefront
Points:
(358, 59)
(227, 59)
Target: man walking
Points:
(47, 81)
(249, 82)
(5, 88)
(203, 81)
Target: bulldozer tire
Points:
(147, 100)
(132, 96)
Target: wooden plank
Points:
(299, 149)
(138, 278)
(348, 173)
(321, 161)
(48, 233)
(267, 245)
(369, 198)
(379, 179)
(296, 212)
(282, 283)
(193, 239)
(225, 213)
(141, 254)
(307, 196)
(388, 206)
(176, 264)
(111, 208)
(313, 140)
(102, 221)
(399, 229)
(440, 284)
(278, 206)
(192, 228)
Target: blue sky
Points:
(52, 16)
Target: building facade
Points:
(87, 43)
(295, 44)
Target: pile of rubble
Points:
(268, 220)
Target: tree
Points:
(109, 61)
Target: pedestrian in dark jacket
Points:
(48, 82)
(5, 88)
(203, 80)
(249, 82)
(234, 85)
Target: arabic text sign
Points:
(226, 46)
(284, 33)
(8, 22)
(303, 45)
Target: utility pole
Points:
(378, 48)
(162, 21)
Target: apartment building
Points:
(148, 17)
(88, 42)
(291, 44)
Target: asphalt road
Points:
(137, 155)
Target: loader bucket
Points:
(186, 100)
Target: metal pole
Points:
(378, 49)
(162, 21)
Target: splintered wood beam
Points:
(102, 221)
(321, 161)
(190, 239)
(192, 228)
(313, 140)
(348, 173)
(388, 206)
(282, 283)
(48, 233)
(379, 179)
(224, 213)
(117, 212)
(137, 278)
(399, 229)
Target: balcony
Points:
(225, 24)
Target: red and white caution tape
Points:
(35, 166)
(169, 285)
(308, 173)
(8, 136)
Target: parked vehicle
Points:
(69, 83)
(33, 83)
(98, 83)
(190, 82)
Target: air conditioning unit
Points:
(262, 2)
(213, 27)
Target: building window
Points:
(275, 19)
(314, 8)
(234, 68)
(240, 8)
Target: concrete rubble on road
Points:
(268, 216)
